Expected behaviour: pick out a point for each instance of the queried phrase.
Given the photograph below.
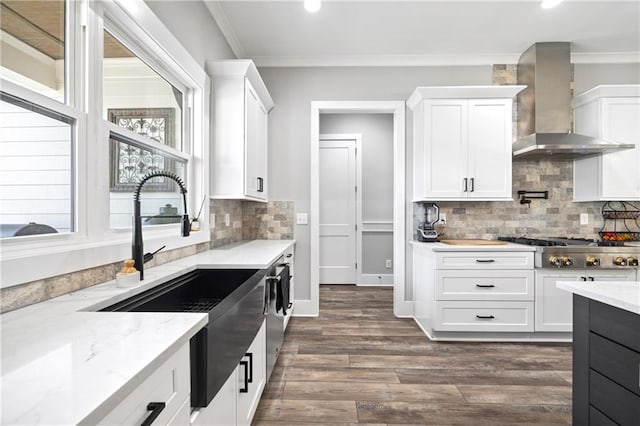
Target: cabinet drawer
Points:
(484, 285)
(484, 260)
(483, 316)
(618, 363)
(614, 401)
(618, 325)
(170, 384)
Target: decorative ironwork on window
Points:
(129, 163)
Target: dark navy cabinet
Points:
(606, 364)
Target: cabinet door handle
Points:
(583, 278)
(485, 317)
(250, 356)
(155, 408)
(485, 285)
(590, 279)
(465, 185)
(260, 184)
(245, 364)
(290, 255)
(473, 185)
(485, 260)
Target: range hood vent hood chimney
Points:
(544, 109)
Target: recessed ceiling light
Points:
(312, 5)
(548, 4)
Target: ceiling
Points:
(427, 32)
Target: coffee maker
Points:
(426, 229)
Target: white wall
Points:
(586, 76)
(377, 180)
(192, 24)
(293, 89)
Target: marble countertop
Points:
(62, 363)
(621, 294)
(448, 247)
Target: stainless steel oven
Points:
(277, 305)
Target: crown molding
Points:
(225, 26)
(431, 60)
(383, 60)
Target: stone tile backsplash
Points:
(267, 221)
(271, 221)
(557, 216)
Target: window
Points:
(33, 45)
(109, 118)
(142, 101)
(36, 169)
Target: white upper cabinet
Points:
(239, 151)
(610, 112)
(462, 140)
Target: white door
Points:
(337, 211)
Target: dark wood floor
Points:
(358, 364)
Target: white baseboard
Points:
(375, 279)
(305, 308)
(403, 308)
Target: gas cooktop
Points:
(561, 242)
(564, 252)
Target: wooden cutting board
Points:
(474, 242)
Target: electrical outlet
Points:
(387, 263)
(227, 219)
(443, 218)
(302, 219)
(212, 220)
(584, 218)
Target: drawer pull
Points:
(245, 364)
(485, 261)
(290, 255)
(485, 285)
(250, 356)
(155, 408)
(485, 317)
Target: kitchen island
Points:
(64, 363)
(606, 352)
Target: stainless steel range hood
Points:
(544, 109)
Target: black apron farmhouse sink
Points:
(235, 301)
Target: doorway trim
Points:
(401, 307)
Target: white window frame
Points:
(93, 243)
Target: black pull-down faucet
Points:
(137, 249)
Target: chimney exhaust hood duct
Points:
(544, 109)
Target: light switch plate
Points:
(302, 219)
(227, 219)
(584, 218)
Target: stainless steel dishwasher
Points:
(277, 305)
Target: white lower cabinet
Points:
(554, 307)
(221, 411)
(236, 402)
(169, 384)
(483, 316)
(251, 378)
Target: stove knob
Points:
(555, 261)
(620, 261)
(593, 261)
(566, 261)
(632, 261)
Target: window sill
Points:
(64, 254)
